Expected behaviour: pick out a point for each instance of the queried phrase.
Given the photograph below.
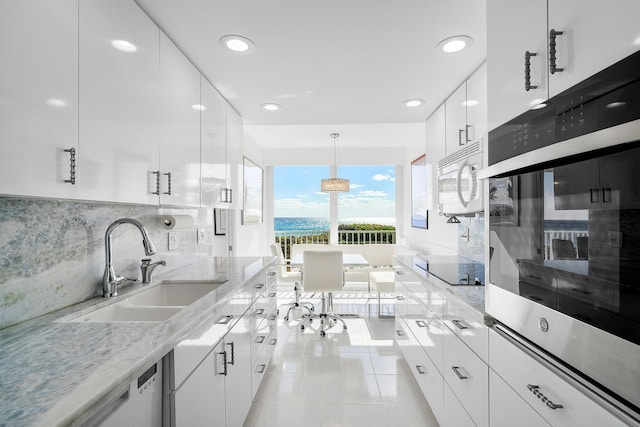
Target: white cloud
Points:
(302, 196)
(353, 186)
(372, 193)
(383, 177)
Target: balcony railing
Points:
(345, 237)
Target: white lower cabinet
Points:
(211, 375)
(507, 408)
(554, 399)
(200, 400)
(454, 413)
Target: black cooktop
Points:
(462, 273)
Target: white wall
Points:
(440, 237)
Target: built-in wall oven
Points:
(564, 232)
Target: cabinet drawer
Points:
(468, 325)
(542, 389)
(259, 366)
(427, 376)
(508, 409)
(468, 376)
(430, 332)
(454, 413)
(260, 339)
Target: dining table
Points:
(348, 260)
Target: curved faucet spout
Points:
(110, 280)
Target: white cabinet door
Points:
(238, 381)
(119, 100)
(454, 414)
(179, 127)
(514, 28)
(477, 104)
(234, 156)
(468, 377)
(595, 35)
(456, 119)
(507, 409)
(200, 400)
(38, 96)
(213, 138)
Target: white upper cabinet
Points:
(513, 29)
(179, 125)
(38, 97)
(119, 102)
(235, 157)
(213, 136)
(595, 34)
(477, 104)
(456, 119)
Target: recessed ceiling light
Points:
(198, 107)
(470, 103)
(455, 44)
(124, 46)
(238, 44)
(271, 107)
(413, 102)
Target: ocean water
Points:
(566, 224)
(317, 223)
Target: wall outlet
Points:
(173, 241)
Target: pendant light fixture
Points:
(334, 184)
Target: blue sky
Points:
(372, 195)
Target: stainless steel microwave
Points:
(459, 189)
(564, 232)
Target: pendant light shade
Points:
(334, 184)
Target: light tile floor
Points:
(358, 378)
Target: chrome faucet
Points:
(147, 268)
(111, 280)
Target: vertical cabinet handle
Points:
(553, 68)
(466, 133)
(456, 369)
(224, 363)
(460, 132)
(606, 195)
(72, 166)
(157, 174)
(595, 198)
(226, 195)
(233, 353)
(168, 192)
(527, 71)
(537, 393)
(230, 195)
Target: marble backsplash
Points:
(471, 238)
(52, 252)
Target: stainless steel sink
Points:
(153, 304)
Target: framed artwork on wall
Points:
(419, 213)
(220, 221)
(252, 208)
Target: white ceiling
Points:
(329, 62)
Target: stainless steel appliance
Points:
(564, 233)
(459, 191)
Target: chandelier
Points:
(335, 184)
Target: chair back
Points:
(322, 271)
(583, 247)
(282, 273)
(563, 249)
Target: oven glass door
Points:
(567, 236)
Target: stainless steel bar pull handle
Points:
(527, 71)
(460, 132)
(421, 323)
(168, 192)
(157, 174)
(400, 333)
(553, 68)
(537, 393)
(72, 166)
(466, 133)
(233, 353)
(261, 369)
(459, 324)
(224, 363)
(260, 339)
(594, 195)
(421, 369)
(456, 369)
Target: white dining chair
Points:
(322, 271)
(284, 275)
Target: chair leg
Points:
(327, 320)
(306, 305)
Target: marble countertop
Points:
(471, 296)
(55, 373)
